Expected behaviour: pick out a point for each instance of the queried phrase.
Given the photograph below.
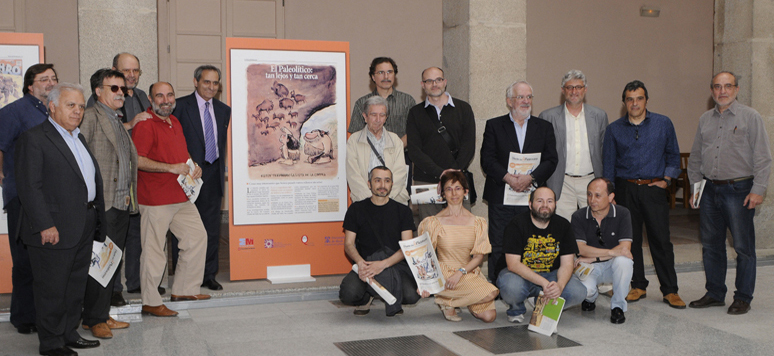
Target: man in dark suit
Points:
(60, 189)
(579, 130)
(205, 125)
(517, 132)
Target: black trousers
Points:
(96, 302)
(131, 258)
(60, 284)
(354, 291)
(22, 296)
(649, 206)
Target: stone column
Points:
(744, 44)
(108, 27)
(484, 51)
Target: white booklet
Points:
(520, 163)
(190, 186)
(105, 257)
(427, 194)
(698, 189)
(423, 262)
(546, 315)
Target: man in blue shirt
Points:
(641, 156)
(15, 119)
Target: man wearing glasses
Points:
(517, 132)
(603, 232)
(15, 119)
(641, 156)
(579, 130)
(116, 156)
(731, 151)
(441, 133)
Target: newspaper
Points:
(423, 262)
(546, 315)
(105, 257)
(698, 189)
(427, 194)
(379, 288)
(583, 270)
(190, 186)
(520, 163)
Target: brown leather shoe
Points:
(739, 307)
(178, 298)
(160, 310)
(101, 331)
(636, 294)
(674, 301)
(115, 324)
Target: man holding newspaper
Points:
(372, 229)
(731, 152)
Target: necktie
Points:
(210, 145)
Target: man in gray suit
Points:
(579, 130)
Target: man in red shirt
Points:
(163, 153)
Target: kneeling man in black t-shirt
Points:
(372, 229)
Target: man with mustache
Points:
(539, 256)
(518, 132)
(641, 156)
(731, 151)
(15, 119)
(163, 153)
(116, 156)
(372, 229)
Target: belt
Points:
(580, 176)
(644, 181)
(728, 181)
(91, 205)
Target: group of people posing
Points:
(595, 187)
(78, 171)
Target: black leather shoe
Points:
(117, 299)
(61, 351)
(706, 302)
(162, 291)
(134, 291)
(83, 344)
(588, 306)
(27, 328)
(212, 284)
(617, 316)
(739, 307)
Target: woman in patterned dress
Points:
(461, 241)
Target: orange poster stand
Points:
(6, 264)
(253, 248)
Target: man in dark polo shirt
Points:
(603, 232)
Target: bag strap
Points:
(441, 128)
(374, 150)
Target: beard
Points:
(163, 110)
(544, 216)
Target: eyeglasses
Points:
(522, 97)
(433, 81)
(47, 79)
(599, 236)
(382, 72)
(726, 86)
(576, 87)
(130, 71)
(115, 88)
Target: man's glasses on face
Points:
(433, 81)
(48, 79)
(115, 88)
(576, 87)
(130, 71)
(719, 86)
(382, 72)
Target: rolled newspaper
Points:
(384, 293)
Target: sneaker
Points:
(516, 318)
(361, 310)
(604, 288)
(588, 306)
(617, 316)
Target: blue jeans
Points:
(514, 290)
(721, 209)
(618, 271)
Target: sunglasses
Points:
(115, 88)
(599, 236)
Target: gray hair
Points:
(375, 100)
(736, 77)
(53, 96)
(200, 69)
(574, 74)
(509, 91)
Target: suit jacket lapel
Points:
(220, 120)
(107, 128)
(560, 130)
(510, 132)
(194, 118)
(61, 145)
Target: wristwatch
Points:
(463, 270)
(534, 182)
(598, 259)
(668, 182)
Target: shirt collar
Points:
(582, 112)
(514, 121)
(450, 102)
(200, 101)
(106, 108)
(610, 213)
(731, 108)
(644, 121)
(62, 130)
